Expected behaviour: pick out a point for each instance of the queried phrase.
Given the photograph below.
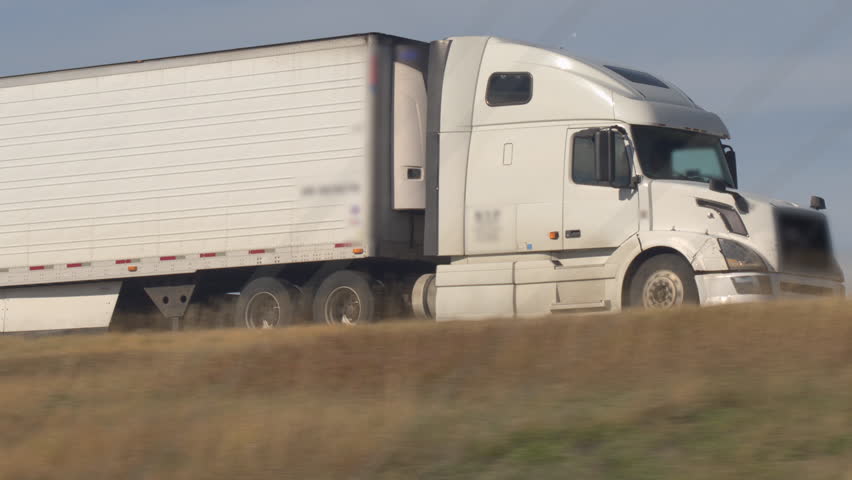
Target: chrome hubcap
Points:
(343, 306)
(263, 311)
(663, 290)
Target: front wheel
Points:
(664, 282)
(345, 298)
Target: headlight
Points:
(739, 257)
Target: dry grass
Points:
(732, 392)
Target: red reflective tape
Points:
(256, 252)
(74, 265)
(342, 245)
(166, 259)
(121, 262)
(41, 267)
(207, 255)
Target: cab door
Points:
(596, 214)
(597, 218)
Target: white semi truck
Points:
(343, 179)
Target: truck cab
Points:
(558, 184)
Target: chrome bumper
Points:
(741, 287)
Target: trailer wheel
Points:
(663, 282)
(264, 303)
(345, 298)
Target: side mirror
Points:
(817, 203)
(612, 164)
(718, 186)
(731, 160)
(604, 156)
(624, 181)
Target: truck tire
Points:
(345, 297)
(264, 303)
(663, 282)
(423, 297)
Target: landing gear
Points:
(172, 301)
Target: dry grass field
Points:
(757, 392)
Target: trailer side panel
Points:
(249, 157)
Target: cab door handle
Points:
(572, 234)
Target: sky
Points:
(778, 72)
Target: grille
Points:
(804, 242)
(802, 289)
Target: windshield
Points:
(666, 153)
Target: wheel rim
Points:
(263, 311)
(663, 290)
(343, 306)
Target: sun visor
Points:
(659, 114)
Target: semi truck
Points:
(348, 179)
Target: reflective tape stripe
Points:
(167, 258)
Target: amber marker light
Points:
(358, 251)
(554, 235)
(132, 268)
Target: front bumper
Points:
(741, 287)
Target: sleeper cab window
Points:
(509, 88)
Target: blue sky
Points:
(778, 72)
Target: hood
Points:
(685, 206)
(676, 207)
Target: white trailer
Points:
(322, 178)
(159, 173)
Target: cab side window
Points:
(584, 160)
(511, 88)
